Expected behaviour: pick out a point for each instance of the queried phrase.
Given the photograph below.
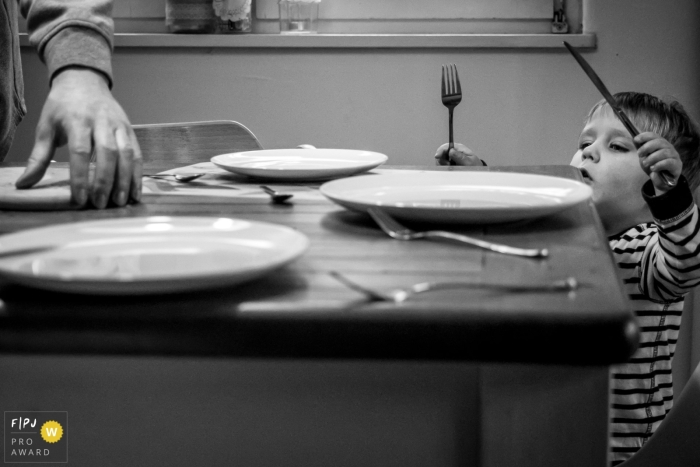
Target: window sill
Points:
(354, 41)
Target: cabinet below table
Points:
(145, 411)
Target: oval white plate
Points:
(149, 254)
(299, 164)
(458, 197)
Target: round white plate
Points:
(148, 254)
(458, 197)
(299, 164)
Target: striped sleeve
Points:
(671, 267)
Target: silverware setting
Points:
(395, 230)
(451, 96)
(276, 196)
(183, 178)
(668, 178)
(569, 284)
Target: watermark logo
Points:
(36, 437)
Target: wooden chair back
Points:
(675, 442)
(192, 142)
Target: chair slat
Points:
(193, 142)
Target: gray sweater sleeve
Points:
(71, 33)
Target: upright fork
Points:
(395, 230)
(451, 96)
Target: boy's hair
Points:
(667, 119)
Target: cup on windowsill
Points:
(298, 16)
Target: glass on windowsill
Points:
(190, 16)
(298, 16)
(233, 16)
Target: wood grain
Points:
(302, 311)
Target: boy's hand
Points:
(657, 155)
(460, 155)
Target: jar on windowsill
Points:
(190, 16)
(233, 16)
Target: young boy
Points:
(654, 232)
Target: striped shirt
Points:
(659, 263)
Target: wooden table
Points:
(314, 375)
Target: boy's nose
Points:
(589, 152)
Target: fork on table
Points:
(395, 230)
(569, 284)
(451, 96)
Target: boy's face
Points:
(609, 164)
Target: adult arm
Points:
(75, 38)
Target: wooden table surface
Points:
(301, 312)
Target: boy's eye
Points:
(583, 145)
(618, 147)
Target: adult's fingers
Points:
(79, 153)
(124, 169)
(106, 160)
(40, 158)
(137, 169)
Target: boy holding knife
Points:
(654, 232)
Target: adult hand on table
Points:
(81, 111)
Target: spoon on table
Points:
(184, 178)
(276, 196)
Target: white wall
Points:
(519, 107)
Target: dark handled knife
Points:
(668, 178)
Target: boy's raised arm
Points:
(676, 256)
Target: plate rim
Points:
(326, 190)
(140, 286)
(352, 167)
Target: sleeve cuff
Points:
(77, 46)
(671, 205)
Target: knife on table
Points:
(668, 178)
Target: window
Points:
(426, 16)
(372, 24)
(386, 16)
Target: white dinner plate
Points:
(148, 254)
(458, 197)
(299, 164)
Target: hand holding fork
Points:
(451, 96)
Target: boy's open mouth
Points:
(586, 176)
